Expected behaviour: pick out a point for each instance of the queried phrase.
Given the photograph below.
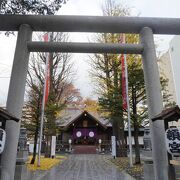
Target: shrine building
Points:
(83, 127)
(86, 128)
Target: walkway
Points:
(86, 167)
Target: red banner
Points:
(124, 95)
(47, 72)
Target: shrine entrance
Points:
(84, 128)
(85, 136)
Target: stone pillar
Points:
(15, 101)
(155, 104)
(99, 146)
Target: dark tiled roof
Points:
(169, 114)
(5, 115)
(71, 115)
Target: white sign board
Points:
(2, 139)
(172, 137)
(113, 144)
(53, 146)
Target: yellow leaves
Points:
(136, 169)
(132, 38)
(121, 163)
(61, 157)
(46, 163)
(91, 105)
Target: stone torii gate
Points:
(146, 27)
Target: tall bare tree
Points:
(61, 90)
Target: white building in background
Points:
(165, 70)
(169, 68)
(174, 51)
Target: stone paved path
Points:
(86, 167)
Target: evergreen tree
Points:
(107, 71)
(44, 7)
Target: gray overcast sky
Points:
(146, 8)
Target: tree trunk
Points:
(35, 145)
(37, 129)
(118, 132)
(47, 148)
(115, 133)
(137, 147)
(136, 126)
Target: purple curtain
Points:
(81, 132)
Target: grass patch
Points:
(46, 163)
(122, 163)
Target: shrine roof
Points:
(169, 114)
(5, 115)
(71, 115)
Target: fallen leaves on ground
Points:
(46, 163)
(122, 163)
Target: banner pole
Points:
(43, 108)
